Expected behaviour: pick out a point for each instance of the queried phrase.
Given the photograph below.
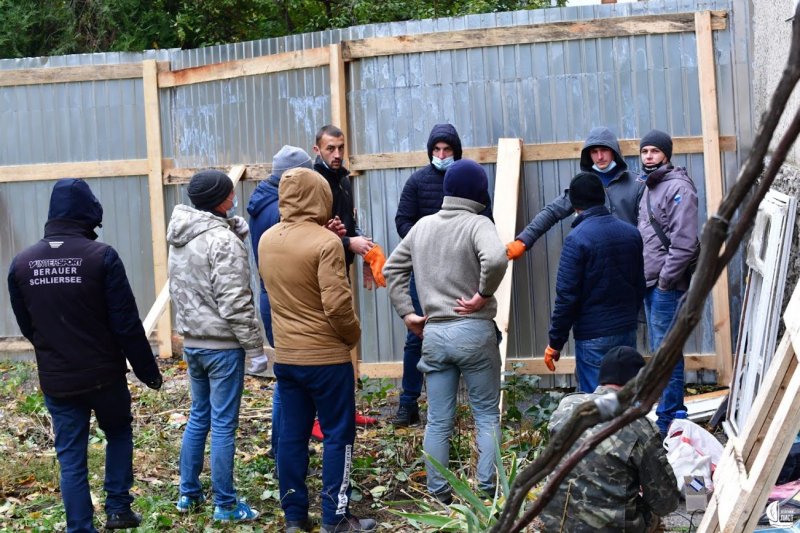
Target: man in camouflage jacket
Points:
(626, 480)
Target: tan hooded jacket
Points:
(303, 268)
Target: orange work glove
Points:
(550, 355)
(376, 259)
(515, 249)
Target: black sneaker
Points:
(123, 520)
(444, 496)
(407, 415)
(296, 526)
(351, 523)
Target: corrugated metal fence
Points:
(541, 92)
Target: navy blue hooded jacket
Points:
(423, 192)
(623, 192)
(72, 300)
(264, 213)
(600, 284)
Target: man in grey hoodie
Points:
(668, 223)
(601, 156)
(458, 262)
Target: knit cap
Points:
(586, 190)
(466, 179)
(209, 188)
(660, 140)
(620, 365)
(289, 157)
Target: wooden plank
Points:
(81, 169)
(152, 120)
(313, 57)
(254, 172)
(43, 75)
(530, 366)
(534, 33)
(161, 303)
(714, 185)
(15, 344)
(530, 152)
(338, 87)
(506, 197)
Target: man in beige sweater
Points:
(314, 326)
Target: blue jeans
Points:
(277, 413)
(412, 351)
(217, 380)
(112, 408)
(589, 354)
(327, 391)
(660, 307)
(451, 349)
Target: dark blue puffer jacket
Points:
(600, 284)
(423, 192)
(72, 300)
(264, 213)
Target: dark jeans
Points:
(661, 308)
(589, 354)
(412, 378)
(112, 408)
(327, 391)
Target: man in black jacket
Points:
(72, 300)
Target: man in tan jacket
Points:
(314, 326)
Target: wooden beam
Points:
(158, 229)
(506, 196)
(535, 33)
(714, 185)
(338, 87)
(43, 75)
(254, 172)
(530, 152)
(531, 366)
(15, 344)
(313, 57)
(80, 169)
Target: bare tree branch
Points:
(639, 395)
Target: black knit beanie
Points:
(660, 140)
(620, 365)
(209, 188)
(586, 190)
(466, 179)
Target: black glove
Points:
(156, 383)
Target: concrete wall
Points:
(771, 37)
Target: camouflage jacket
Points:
(619, 485)
(210, 283)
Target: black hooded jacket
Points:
(72, 300)
(423, 192)
(343, 203)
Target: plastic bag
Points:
(692, 451)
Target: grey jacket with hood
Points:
(209, 283)
(622, 194)
(673, 198)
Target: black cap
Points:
(660, 140)
(466, 179)
(209, 188)
(620, 365)
(586, 190)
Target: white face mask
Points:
(230, 213)
(442, 164)
(609, 168)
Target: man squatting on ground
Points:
(422, 196)
(670, 206)
(72, 300)
(458, 261)
(315, 327)
(600, 283)
(214, 311)
(625, 483)
(329, 149)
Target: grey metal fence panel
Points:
(544, 92)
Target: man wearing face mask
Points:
(668, 224)
(215, 312)
(601, 156)
(422, 196)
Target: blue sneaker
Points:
(187, 503)
(241, 512)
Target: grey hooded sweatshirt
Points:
(622, 193)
